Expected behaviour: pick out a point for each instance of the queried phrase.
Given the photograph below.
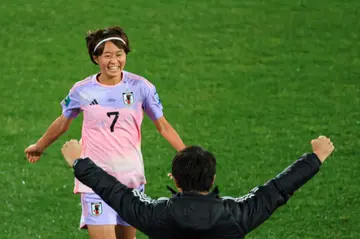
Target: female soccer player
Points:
(112, 102)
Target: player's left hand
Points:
(71, 151)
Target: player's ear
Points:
(214, 179)
(96, 59)
(176, 184)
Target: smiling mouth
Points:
(114, 68)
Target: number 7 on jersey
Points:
(116, 114)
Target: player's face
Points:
(112, 60)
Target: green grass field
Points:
(253, 81)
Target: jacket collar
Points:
(215, 192)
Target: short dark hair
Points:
(94, 37)
(194, 169)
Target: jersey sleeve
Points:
(151, 102)
(71, 106)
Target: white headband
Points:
(108, 39)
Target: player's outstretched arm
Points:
(257, 206)
(70, 109)
(154, 109)
(55, 130)
(169, 133)
(133, 206)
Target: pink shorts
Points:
(96, 212)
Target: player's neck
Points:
(103, 79)
(204, 193)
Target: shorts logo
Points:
(128, 98)
(96, 208)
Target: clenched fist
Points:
(322, 147)
(71, 151)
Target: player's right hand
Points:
(322, 147)
(33, 153)
(71, 151)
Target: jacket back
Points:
(193, 215)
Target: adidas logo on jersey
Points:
(94, 102)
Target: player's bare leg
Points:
(102, 231)
(125, 232)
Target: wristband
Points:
(75, 162)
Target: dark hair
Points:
(94, 37)
(194, 169)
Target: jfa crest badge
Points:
(128, 98)
(96, 208)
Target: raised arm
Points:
(257, 206)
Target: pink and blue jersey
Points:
(112, 117)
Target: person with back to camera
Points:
(194, 211)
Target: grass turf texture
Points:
(252, 81)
